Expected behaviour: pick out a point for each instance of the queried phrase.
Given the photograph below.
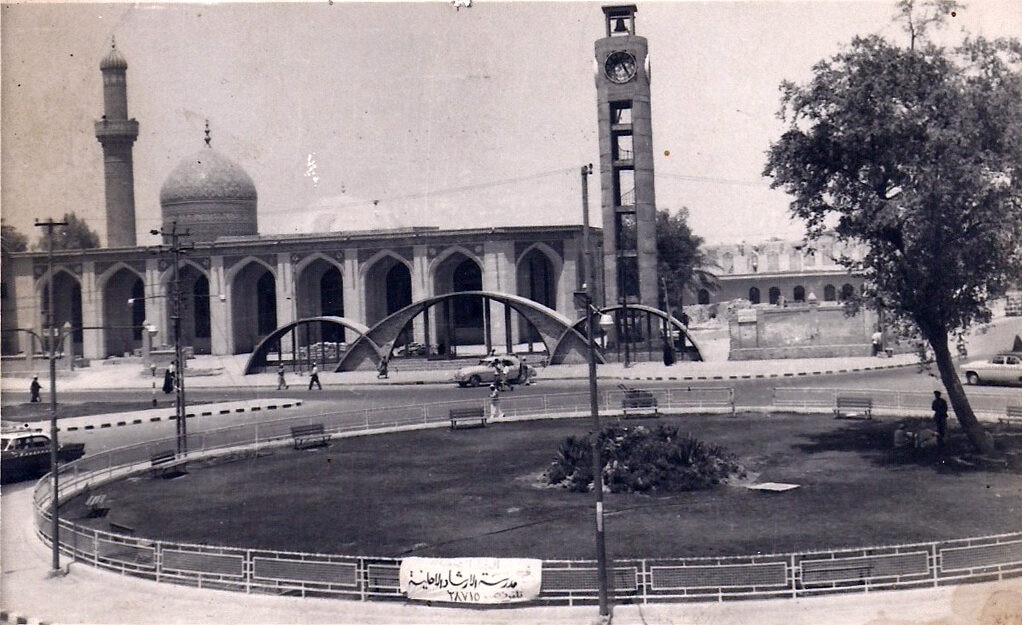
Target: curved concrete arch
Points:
(556, 331)
(656, 312)
(257, 360)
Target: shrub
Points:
(640, 460)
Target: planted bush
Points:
(640, 460)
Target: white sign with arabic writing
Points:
(471, 580)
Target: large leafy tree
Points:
(13, 241)
(681, 263)
(76, 235)
(915, 151)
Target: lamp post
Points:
(53, 333)
(587, 296)
(176, 250)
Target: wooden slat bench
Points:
(1012, 416)
(309, 436)
(96, 507)
(474, 417)
(852, 407)
(166, 464)
(638, 401)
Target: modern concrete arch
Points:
(656, 312)
(257, 361)
(556, 330)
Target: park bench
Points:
(309, 436)
(1012, 416)
(474, 417)
(637, 401)
(850, 407)
(166, 464)
(96, 507)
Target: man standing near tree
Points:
(939, 407)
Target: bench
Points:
(474, 417)
(309, 436)
(1012, 416)
(96, 507)
(166, 464)
(853, 408)
(637, 400)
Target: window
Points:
(799, 294)
(829, 293)
(703, 297)
(621, 112)
(627, 231)
(622, 146)
(754, 295)
(624, 187)
(628, 276)
(847, 292)
(775, 295)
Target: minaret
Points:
(626, 161)
(116, 133)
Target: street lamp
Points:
(53, 332)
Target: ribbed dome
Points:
(207, 175)
(113, 60)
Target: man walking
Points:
(34, 388)
(939, 407)
(495, 412)
(281, 382)
(314, 378)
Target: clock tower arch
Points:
(626, 161)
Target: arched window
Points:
(775, 295)
(703, 296)
(799, 293)
(728, 262)
(754, 295)
(847, 292)
(829, 293)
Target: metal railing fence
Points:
(564, 582)
(990, 404)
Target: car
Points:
(25, 453)
(1003, 368)
(485, 371)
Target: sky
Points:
(359, 115)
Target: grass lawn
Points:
(479, 493)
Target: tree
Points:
(12, 240)
(681, 262)
(916, 152)
(76, 235)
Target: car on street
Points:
(25, 453)
(485, 371)
(1003, 368)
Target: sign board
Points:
(471, 580)
(746, 315)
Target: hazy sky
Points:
(454, 118)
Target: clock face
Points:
(620, 66)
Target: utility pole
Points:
(49, 225)
(177, 249)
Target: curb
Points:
(749, 376)
(100, 422)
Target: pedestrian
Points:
(34, 388)
(939, 407)
(878, 342)
(526, 373)
(495, 412)
(281, 382)
(314, 378)
(381, 369)
(168, 379)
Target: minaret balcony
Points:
(116, 128)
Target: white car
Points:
(485, 371)
(1004, 368)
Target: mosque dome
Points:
(210, 195)
(113, 60)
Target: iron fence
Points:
(564, 582)
(909, 402)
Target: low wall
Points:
(800, 331)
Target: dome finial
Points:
(113, 42)
(208, 139)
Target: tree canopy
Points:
(681, 262)
(76, 235)
(13, 241)
(916, 152)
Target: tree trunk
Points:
(978, 436)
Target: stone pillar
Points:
(352, 288)
(421, 289)
(221, 340)
(156, 302)
(92, 314)
(499, 274)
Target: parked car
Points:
(1004, 368)
(26, 454)
(485, 371)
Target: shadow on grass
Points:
(873, 440)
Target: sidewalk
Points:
(92, 596)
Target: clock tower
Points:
(626, 161)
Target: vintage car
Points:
(1004, 368)
(485, 372)
(26, 454)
